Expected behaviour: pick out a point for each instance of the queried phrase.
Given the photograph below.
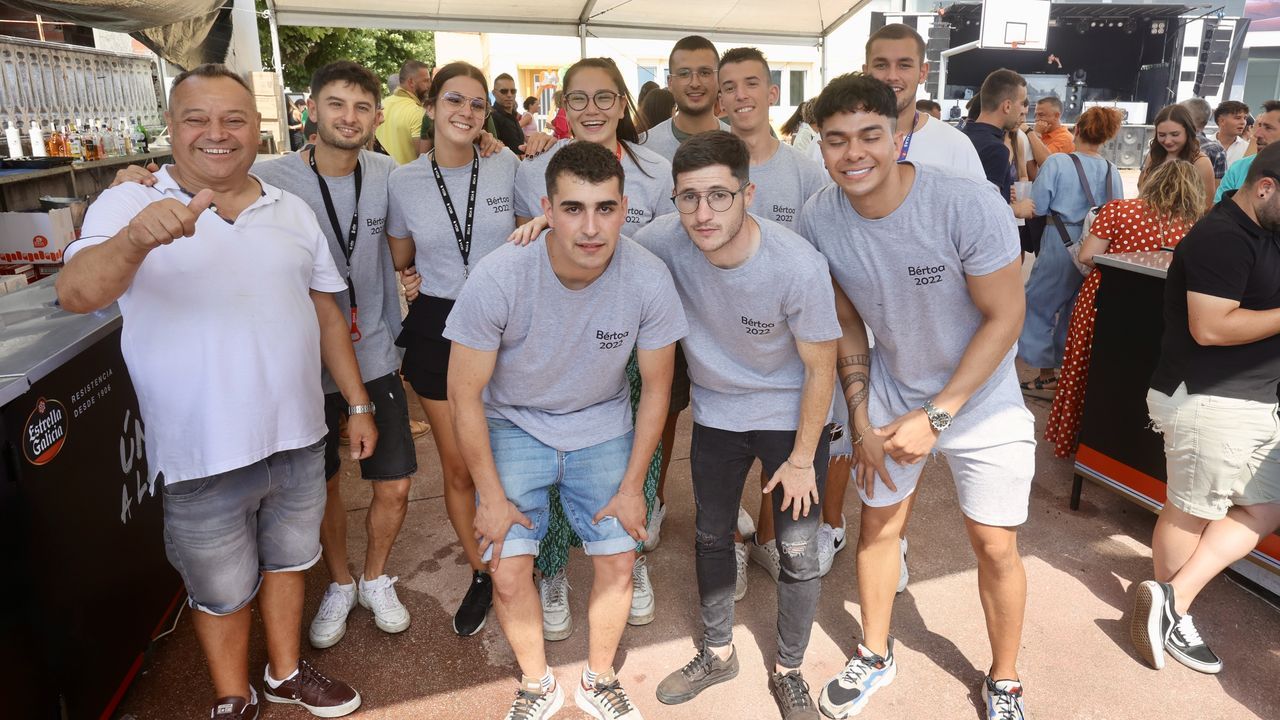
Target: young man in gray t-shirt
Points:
(761, 351)
(537, 378)
(930, 261)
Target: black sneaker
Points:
(1186, 646)
(475, 606)
(1151, 621)
(704, 670)
(791, 693)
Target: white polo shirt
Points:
(220, 333)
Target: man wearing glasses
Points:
(761, 350)
(506, 119)
(692, 81)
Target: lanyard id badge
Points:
(462, 233)
(352, 231)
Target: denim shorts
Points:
(223, 531)
(588, 480)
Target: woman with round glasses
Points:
(448, 209)
(600, 110)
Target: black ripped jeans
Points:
(720, 461)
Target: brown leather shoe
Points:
(235, 708)
(321, 696)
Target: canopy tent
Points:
(807, 21)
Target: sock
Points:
(348, 588)
(588, 677)
(548, 681)
(275, 684)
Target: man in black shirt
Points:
(1003, 103)
(506, 117)
(1213, 397)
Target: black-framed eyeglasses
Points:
(577, 100)
(455, 100)
(505, 91)
(718, 200)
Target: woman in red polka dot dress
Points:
(1170, 201)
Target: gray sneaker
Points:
(704, 670)
(791, 693)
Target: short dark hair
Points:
(1229, 107)
(689, 43)
(585, 161)
(504, 76)
(351, 73)
(1270, 106)
(714, 147)
(530, 102)
(897, 31)
(210, 70)
(745, 54)
(927, 105)
(855, 92)
(409, 68)
(1265, 164)
(1053, 100)
(999, 86)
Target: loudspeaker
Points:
(1215, 49)
(939, 40)
(1128, 147)
(1073, 103)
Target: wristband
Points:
(798, 467)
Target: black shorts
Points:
(1029, 235)
(426, 351)
(680, 386)
(394, 457)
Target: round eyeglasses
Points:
(577, 100)
(455, 100)
(718, 200)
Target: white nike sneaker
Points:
(330, 622)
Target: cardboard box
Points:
(35, 237)
(264, 83)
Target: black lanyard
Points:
(461, 233)
(352, 232)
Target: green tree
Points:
(304, 49)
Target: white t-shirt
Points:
(1237, 150)
(220, 334)
(938, 144)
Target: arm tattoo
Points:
(853, 360)
(858, 383)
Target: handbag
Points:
(1073, 247)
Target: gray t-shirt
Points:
(562, 354)
(744, 323)
(417, 211)
(648, 186)
(665, 138)
(906, 274)
(371, 270)
(783, 183)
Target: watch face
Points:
(940, 420)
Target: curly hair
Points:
(1174, 191)
(1097, 125)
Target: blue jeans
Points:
(588, 479)
(1051, 294)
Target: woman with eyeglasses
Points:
(448, 209)
(600, 111)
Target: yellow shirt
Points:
(401, 124)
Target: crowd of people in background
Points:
(838, 298)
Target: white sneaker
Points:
(643, 607)
(557, 623)
(533, 704)
(379, 596)
(740, 558)
(903, 575)
(831, 540)
(654, 528)
(330, 622)
(607, 700)
(766, 556)
(746, 526)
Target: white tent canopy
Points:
(803, 22)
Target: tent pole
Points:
(822, 49)
(282, 133)
(582, 40)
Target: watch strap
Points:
(365, 409)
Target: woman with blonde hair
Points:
(1169, 202)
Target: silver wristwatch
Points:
(939, 419)
(366, 408)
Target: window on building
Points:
(775, 78)
(798, 82)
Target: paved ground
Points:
(1076, 660)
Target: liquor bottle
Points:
(140, 138)
(89, 143)
(74, 148)
(125, 133)
(37, 141)
(13, 137)
(55, 141)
